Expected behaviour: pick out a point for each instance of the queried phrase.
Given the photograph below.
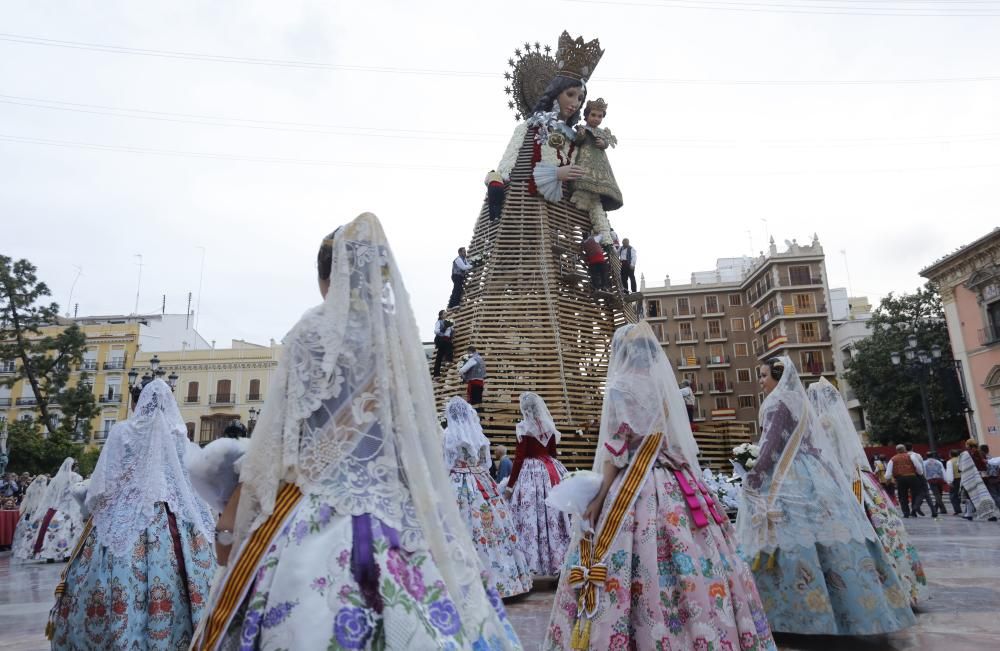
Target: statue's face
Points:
(569, 101)
(594, 118)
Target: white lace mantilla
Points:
(141, 465)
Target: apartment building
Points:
(720, 327)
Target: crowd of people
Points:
(352, 519)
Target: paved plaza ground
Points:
(962, 612)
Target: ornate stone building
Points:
(217, 386)
(969, 283)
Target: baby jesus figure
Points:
(597, 192)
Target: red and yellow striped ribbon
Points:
(237, 581)
(592, 573)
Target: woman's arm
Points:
(227, 522)
(519, 454)
(593, 512)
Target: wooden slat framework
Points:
(530, 311)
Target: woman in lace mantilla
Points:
(59, 519)
(141, 577)
(660, 569)
(484, 511)
(819, 566)
(543, 532)
(346, 532)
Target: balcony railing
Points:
(25, 402)
(192, 400)
(686, 337)
(254, 397)
(718, 360)
(114, 365)
(88, 365)
(101, 435)
(684, 311)
(713, 309)
(720, 387)
(222, 399)
(7, 367)
(817, 368)
(110, 400)
(4, 402)
(688, 361)
(720, 335)
(800, 281)
(989, 335)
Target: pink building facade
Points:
(969, 282)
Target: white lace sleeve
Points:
(513, 148)
(547, 182)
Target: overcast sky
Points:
(727, 113)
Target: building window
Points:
(743, 375)
(747, 402)
(712, 304)
(106, 427)
(685, 331)
(190, 431)
(192, 393)
(223, 391)
(808, 332)
(740, 350)
(738, 324)
(804, 303)
(254, 390)
(692, 380)
(688, 357)
(683, 306)
(799, 275)
(722, 402)
(653, 307)
(714, 329)
(811, 361)
(716, 354)
(754, 345)
(206, 435)
(657, 329)
(735, 299)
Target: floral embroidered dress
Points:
(884, 516)
(59, 521)
(480, 503)
(675, 581)
(819, 565)
(347, 532)
(141, 578)
(543, 532)
(27, 526)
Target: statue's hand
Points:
(570, 173)
(601, 143)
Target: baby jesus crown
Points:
(577, 59)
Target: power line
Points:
(285, 63)
(331, 129)
(786, 8)
(442, 168)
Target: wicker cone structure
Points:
(530, 311)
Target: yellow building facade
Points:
(216, 386)
(111, 350)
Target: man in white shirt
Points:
(459, 268)
(629, 259)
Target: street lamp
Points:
(172, 380)
(919, 363)
(252, 421)
(154, 364)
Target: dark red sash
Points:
(42, 529)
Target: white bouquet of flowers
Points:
(745, 457)
(575, 492)
(729, 490)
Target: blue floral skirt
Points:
(151, 599)
(841, 589)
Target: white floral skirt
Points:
(492, 528)
(543, 533)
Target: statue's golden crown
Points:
(577, 59)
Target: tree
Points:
(45, 361)
(889, 394)
(36, 454)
